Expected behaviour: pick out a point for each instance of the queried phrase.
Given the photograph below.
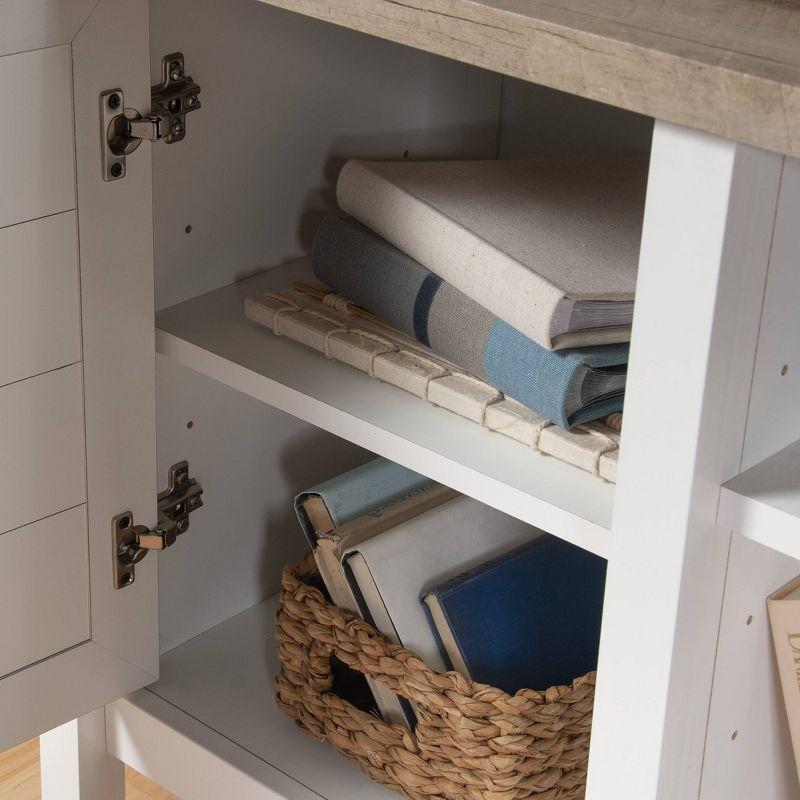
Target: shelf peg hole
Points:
(749, 620)
(734, 735)
(784, 369)
(190, 424)
(405, 154)
(188, 229)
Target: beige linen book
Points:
(784, 617)
(328, 555)
(550, 245)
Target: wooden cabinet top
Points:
(730, 67)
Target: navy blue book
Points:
(529, 619)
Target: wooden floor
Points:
(19, 777)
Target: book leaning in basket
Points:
(477, 634)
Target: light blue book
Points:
(353, 494)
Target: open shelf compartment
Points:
(210, 727)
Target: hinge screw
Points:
(181, 477)
(177, 129)
(113, 101)
(175, 71)
(116, 170)
(182, 525)
(194, 503)
(191, 100)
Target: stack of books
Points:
(521, 272)
(500, 290)
(464, 586)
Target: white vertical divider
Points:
(76, 764)
(708, 223)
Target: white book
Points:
(390, 572)
(328, 553)
(551, 245)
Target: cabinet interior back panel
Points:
(286, 100)
(251, 459)
(539, 121)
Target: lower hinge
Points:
(131, 543)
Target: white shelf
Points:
(211, 335)
(763, 503)
(210, 729)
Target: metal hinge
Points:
(122, 129)
(132, 543)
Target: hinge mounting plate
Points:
(123, 129)
(131, 543)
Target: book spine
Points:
(326, 556)
(784, 616)
(489, 276)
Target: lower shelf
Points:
(210, 729)
(763, 503)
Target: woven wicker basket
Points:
(472, 742)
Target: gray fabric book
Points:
(550, 246)
(568, 387)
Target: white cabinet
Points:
(77, 398)
(98, 277)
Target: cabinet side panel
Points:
(708, 222)
(774, 415)
(116, 267)
(748, 749)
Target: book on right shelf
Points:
(527, 619)
(784, 616)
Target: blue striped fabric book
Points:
(567, 386)
(529, 619)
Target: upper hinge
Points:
(131, 543)
(123, 129)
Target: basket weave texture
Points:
(471, 742)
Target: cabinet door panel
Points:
(39, 304)
(41, 447)
(45, 599)
(37, 170)
(89, 439)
